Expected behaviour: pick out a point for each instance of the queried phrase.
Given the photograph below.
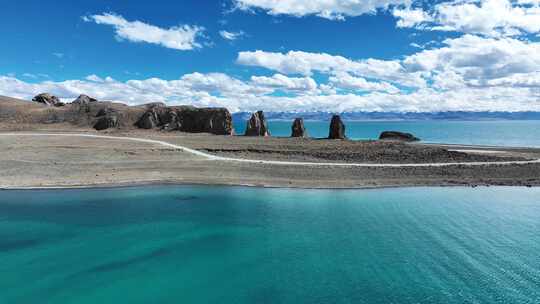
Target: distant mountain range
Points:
(455, 115)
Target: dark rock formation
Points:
(400, 136)
(84, 100)
(187, 119)
(149, 120)
(257, 125)
(337, 128)
(107, 118)
(298, 129)
(106, 122)
(48, 99)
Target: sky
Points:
(278, 55)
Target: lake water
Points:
(518, 133)
(195, 244)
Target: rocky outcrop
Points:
(107, 118)
(187, 119)
(398, 136)
(298, 128)
(149, 120)
(83, 100)
(257, 125)
(108, 121)
(337, 128)
(48, 99)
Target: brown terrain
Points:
(74, 161)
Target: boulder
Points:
(257, 125)
(298, 129)
(106, 122)
(84, 100)
(337, 128)
(48, 99)
(399, 136)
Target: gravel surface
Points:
(74, 161)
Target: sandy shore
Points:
(54, 161)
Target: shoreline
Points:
(128, 185)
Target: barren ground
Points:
(31, 161)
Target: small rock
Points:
(399, 136)
(337, 128)
(257, 125)
(298, 128)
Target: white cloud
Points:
(468, 60)
(198, 90)
(410, 17)
(486, 17)
(527, 80)
(348, 82)
(220, 90)
(304, 85)
(329, 9)
(304, 63)
(231, 35)
(477, 60)
(58, 55)
(94, 78)
(178, 37)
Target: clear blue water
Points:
(517, 133)
(250, 245)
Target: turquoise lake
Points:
(517, 133)
(196, 244)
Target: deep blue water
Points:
(518, 133)
(252, 245)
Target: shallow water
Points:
(195, 244)
(518, 133)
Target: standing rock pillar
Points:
(337, 128)
(298, 129)
(257, 125)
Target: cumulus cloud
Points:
(304, 63)
(304, 85)
(477, 60)
(348, 82)
(182, 37)
(220, 90)
(485, 17)
(231, 35)
(411, 17)
(329, 9)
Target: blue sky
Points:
(288, 55)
